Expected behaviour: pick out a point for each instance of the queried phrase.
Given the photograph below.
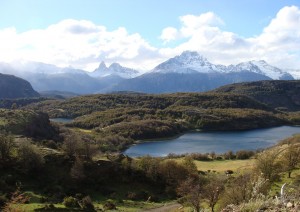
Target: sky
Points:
(141, 34)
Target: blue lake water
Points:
(61, 120)
(219, 142)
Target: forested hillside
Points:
(280, 94)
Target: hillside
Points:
(283, 95)
(117, 120)
(28, 123)
(12, 87)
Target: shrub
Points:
(109, 205)
(3, 201)
(142, 195)
(244, 154)
(71, 202)
(87, 204)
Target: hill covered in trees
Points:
(12, 87)
(280, 94)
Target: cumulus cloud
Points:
(81, 44)
(169, 34)
(278, 43)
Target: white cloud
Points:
(83, 44)
(192, 23)
(278, 44)
(76, 43)
(169, 34)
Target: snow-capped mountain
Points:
(188, 62)
(115, 69)
(191, 72)
(45, 77)
(192, 62)
(262, 67)
(295, 73)
(188, 72)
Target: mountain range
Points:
(188, 72)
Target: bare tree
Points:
(192, 192)
(71, 144)
(213, 189)
(77, 170)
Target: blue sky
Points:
(142, 22)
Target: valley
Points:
(76, 160)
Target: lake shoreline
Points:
(259, 141)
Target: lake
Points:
(219, 142)
(61, 120)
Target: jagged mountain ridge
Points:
(188, 62)
(115, 69)
(188, 72)
(193, 62)
(191, 72)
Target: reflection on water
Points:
(218, 142)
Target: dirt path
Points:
(172, 207)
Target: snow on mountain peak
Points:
(115, 69)
(190, 57)
(102, 66)
(188, 62)
(193, 62)
(262, 67)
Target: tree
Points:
(213, 189)
(229, 155)
(172, 172)
(14, 106)
(238, 190)
(29, 156)
(190, 165)
(6, 146)
(192, 192)
(71, 144)
(77, 170)
(291, 158)
(87, 148)
(268, 165)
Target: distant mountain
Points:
(191, 72)
(187, 63)
(188, 72)
(58, 94)
(263, 68)
(192, 62)
(12, 87)
(115, 69)
(294, 72)
(44, 77)
(280, 94)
